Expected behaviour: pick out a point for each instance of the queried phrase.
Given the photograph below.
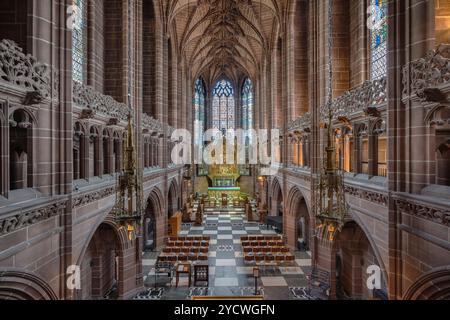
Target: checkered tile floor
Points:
(229, 276)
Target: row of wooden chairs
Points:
(266, 249)
(268, 259)
(196, 243)
(186, 250)
(261, 238)
(183, 258)
(189, 238)
(277, 243)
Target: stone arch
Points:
(353, 253)
(157, 200)
(152, 214)
(173, 203)
(433, 285)
(276, 198)
(298, 220)
(21, 285)
(102, 260)
(22, 125)
(95, 158)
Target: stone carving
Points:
(429, 72)
(93, 102)
(367, 195)
(438, 215)
(92, 196)
(369, 94)
(27, 218)
(87, 97)
(24, 70)
(365, 99)
(302, 124)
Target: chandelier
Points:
(331, 207)
(128, 208)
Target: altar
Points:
(231, 192)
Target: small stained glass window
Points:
(378, 41)
(79, 41)
(247, 105)
(199, 109)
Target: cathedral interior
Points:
(243, 149)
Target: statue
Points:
(199, 213)
(248, 210)
(186, 213)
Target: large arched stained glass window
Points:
(223, 113)
(378, 39)
(79, 40)
(247, 105)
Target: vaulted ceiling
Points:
(223, 37)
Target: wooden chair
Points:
(176, 249)
(194, 249)
(249, 259)
(202, 257)
(204, 249)
(167, 250)
(193, 257)
(248, 249)
(245, 238)
(185, 250)
(182, 258)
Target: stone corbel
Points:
(33, 98)
(113, 122)
(87, 114)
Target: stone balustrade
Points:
(354, 103)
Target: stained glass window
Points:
(199, 108)
(247, 105)
(79, 40)
(378, 41)
(223, 112)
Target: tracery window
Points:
(247, 105)
(378, 39)
(223, 105)
(79, 41)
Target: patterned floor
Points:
(229, 276)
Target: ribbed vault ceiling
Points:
(223, 37)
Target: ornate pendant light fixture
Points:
(128, 208)
(331, 207)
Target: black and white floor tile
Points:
(229, 276)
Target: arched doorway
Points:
(302, 226)
(297, 221)
(172, 200)
(100, 270)
(276, 200)
(150, 226)
(355, 262)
